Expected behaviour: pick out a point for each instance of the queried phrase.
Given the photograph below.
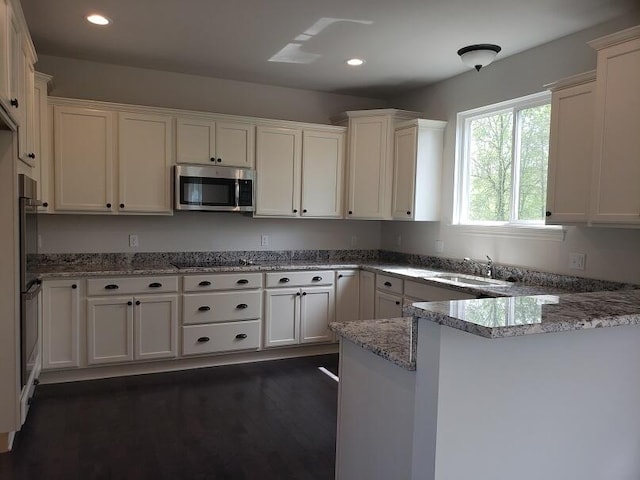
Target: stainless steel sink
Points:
(470, 280)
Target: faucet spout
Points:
(489, 270)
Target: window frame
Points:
(461, 174)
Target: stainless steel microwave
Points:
(213, 188)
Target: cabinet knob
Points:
(547, 213)
(340, 276)
(242, 306)
(137, 302)
(74, 286)
(203, 339)
(298, 294)
(241, 336)
(155, 285)
(45, 204)
(14, 102)
(204, 308)
(36, 382)
(397, 302)
(350, 212)
(31, 155)
(316, 279)
(242, 281)
(387, 284)
(304, 294)
(408, 212)
(284, 280)
(111, 286)
(213, 159)
(295, 210)
(122, 205)
(129, 303)
(304, 210)
(204, 283)
(108, 205)
(219, 160)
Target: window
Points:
(501, 163)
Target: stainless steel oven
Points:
(212, 188)
(29, 283)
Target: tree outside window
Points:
(502, 162)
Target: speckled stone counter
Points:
(393, 339)
(517, 316)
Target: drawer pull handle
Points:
(242, 281)
(316, 279)
(204, 308)
(155, 285)
(340, 276)
(284, 280)
(397, 303)
(242, 306)
(241, 336)
(111, 286)
(203, 339)
(205, 283)
(387, 284)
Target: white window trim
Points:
(510, 229)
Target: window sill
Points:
(542, 232)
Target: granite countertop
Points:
(517, 316)
(393, 339)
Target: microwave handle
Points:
(237, 193)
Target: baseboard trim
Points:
(94, 373)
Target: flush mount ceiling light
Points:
(97, 19)
(354, 62)
(478, 56)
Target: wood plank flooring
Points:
(265, 420)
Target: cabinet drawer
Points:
(131, 285)
(299, 279)
(387, 283)
(221, 281)
(221, 306)
(220, 337)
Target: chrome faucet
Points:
(487, 270)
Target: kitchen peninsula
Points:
(446, 394)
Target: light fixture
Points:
(478, 56)
(97, 19)
(354, 62)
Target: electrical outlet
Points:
(577, 261)
(264, 240)
(133, 240)
(439, 246)
(354, 241)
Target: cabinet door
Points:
(367, 295)
(282, 317)
(235, 144)
(145, 159)
(322, 167)
(43, 168)
(404, 175)
(195, 141)
(616, 172)
(155, 327)
(109, 330)
(26, 148)
(15, 71)
(83, 159)
(388, 306)
(60, 324)
(278, 158)
(317, 309)
(570, 154)
(369, 168)
(5, 56)
(348, 295)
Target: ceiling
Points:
(406, 43)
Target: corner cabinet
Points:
(417, 173)
(570, 149)
(299, 172)
(208, 141)
(616, 167)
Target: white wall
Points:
(612, 254)
(114, 83)
(200, 231)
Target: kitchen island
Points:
(526, 387)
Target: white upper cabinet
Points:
(208, 141)
(43, 169)
(570, 149)
(616, 167)
(144, 159)
(83, 159)
(418, 146)
(278, 163)
(322, 173)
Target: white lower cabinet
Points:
(61, 318)
(220, 337)
(367, 295)
(155, 327)
(299, 314)
(109, 330)
(388, 305)
(348, 295)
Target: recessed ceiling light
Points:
(355, 62)
(98, 19)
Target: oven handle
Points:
(33, 291)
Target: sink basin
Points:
(470, 280)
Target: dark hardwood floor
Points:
(266, 420)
